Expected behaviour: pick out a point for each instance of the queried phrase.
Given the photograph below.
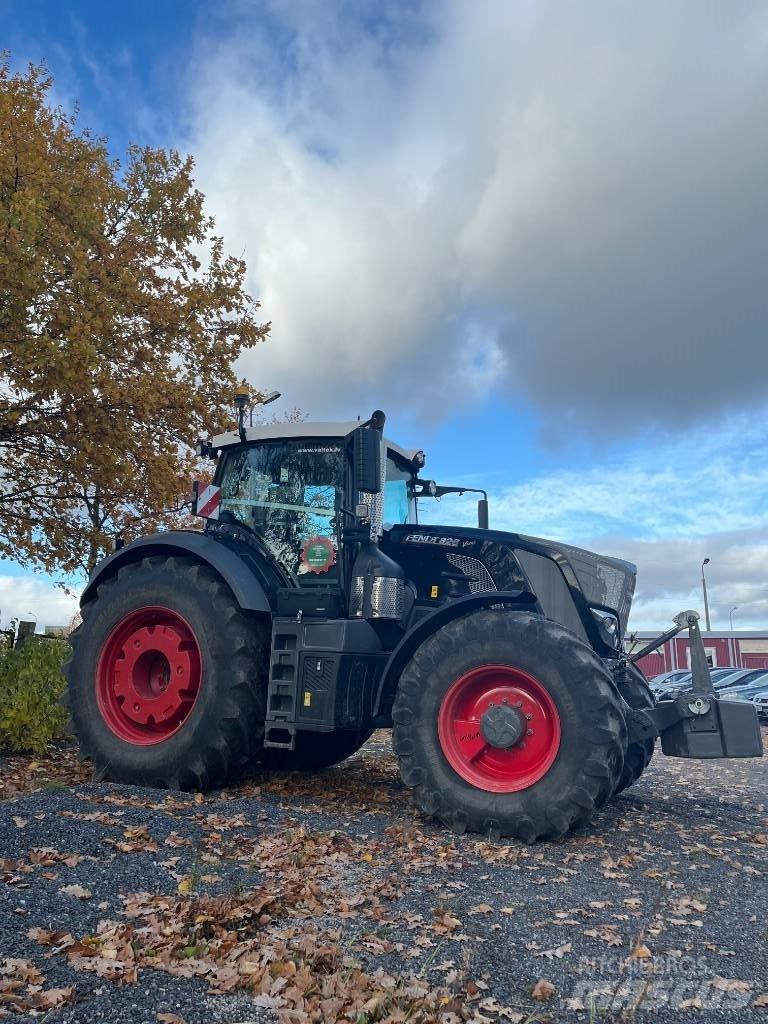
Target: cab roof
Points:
(308, 431)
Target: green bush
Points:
(30, 686)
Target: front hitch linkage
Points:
(696, 723)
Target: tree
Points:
(120, 319)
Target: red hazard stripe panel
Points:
(208, 502)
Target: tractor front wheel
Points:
(508, 725)
(633, 687)
(167, 679)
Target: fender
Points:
(425, 627)
(247, 589)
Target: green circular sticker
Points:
(318, 554)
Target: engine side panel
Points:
(431, 555)
(552, 591)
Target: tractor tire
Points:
(314, 751)
(633, 687)
(166, 684)
(544, 697)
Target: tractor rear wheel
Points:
(633, 687)
(167, 679)
(507, 724)
(314, 751)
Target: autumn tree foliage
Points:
(120, 318)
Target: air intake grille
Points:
(607, 581)
(480, 580)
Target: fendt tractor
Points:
(313, 608)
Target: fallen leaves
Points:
(557, 953)
(641, 952)
(22, 989)
(136, 840)
(731, 984)
(543, 991)
(310, 913)
(606, 933)
(22, 775)
(76, 891)
(48, 857)
(445, 922)
(240, 941)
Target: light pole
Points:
(730, 614)
(704, 588)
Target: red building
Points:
(742, 650)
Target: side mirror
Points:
(367, 459)
(482, 514)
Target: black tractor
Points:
(314, 607)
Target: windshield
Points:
(288, 492)
(399, 502)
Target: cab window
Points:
(399, 503)
(289, 493)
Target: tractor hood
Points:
(603, 580)
(568, 581)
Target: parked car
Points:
(669, 679)
(760, 700)
(729, 676)
(724, 671)
(671, 685)
(722, 679)
(749, 685)
(665, 678)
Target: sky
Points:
(535, 234)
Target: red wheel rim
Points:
(148, 677)
(464, 714)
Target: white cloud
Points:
(34, 597)
(581, 186)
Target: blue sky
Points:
(535, 234)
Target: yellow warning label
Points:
(434, 591)
(307, 699)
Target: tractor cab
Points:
(311, 493)
(330, 503)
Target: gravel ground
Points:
(658, 912)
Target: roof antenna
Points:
(242, 398)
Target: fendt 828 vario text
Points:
(314, 608)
